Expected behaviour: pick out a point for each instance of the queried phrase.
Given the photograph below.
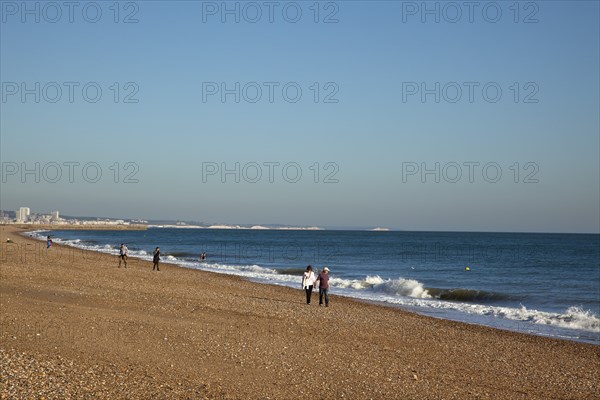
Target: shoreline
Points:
(552, 329)
(210, 335)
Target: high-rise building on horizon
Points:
(23, 214)
(55, 215)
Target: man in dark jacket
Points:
(323, 280)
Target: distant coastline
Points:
(70, 227)
(255, 227)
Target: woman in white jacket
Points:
(308, 281)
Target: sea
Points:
(536, 283)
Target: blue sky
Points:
(365, 141)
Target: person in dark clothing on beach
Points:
(308, 281)
(123, 253)
(156, 259)
(48, 242)
(323, 280)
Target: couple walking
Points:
(124, 254)
(309, 280)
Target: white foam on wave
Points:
(398, 287)
(251, 271)
(573, 318)
(38, 235)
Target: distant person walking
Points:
(308, 282)
(48, 242)
(123, 254)
(156, 259)
(323, 280)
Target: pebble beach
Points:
(73, 325)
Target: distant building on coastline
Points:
(7, 216)
(23, 214)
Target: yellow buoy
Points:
(467, 269)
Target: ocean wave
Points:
(578, 318)
(248, 269)
(184, 254)
(468, 295)
(38, 235)
(573, 318)
(415, 289)
(398, 287)
(291, 271)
